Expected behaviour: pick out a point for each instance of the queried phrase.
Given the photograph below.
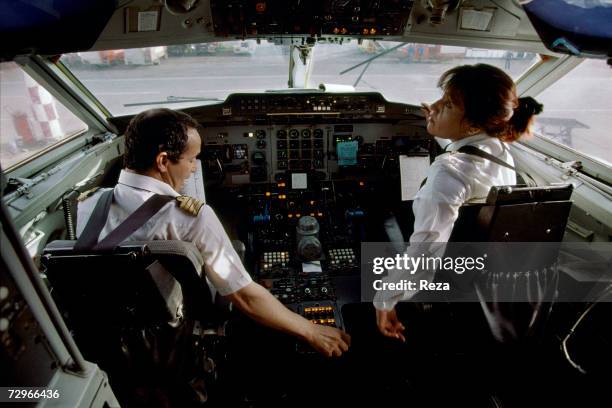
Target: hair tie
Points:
(529, 105)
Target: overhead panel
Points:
(249, 18)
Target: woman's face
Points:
(445, 119)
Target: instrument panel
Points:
(329, 17)
(264, 137)
(250, 154)
(301, 176)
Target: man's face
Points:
(177, 173)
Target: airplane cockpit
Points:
(315, 144)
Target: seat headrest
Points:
(155, 248)
(521, 194)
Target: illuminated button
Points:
(268, 194)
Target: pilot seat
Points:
(142, 311)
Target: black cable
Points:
(67, 206)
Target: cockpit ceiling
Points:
(478, 23)
(49, 26)
(101, 24)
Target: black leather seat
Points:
(510, 214)
(139, 311)
(517, 291)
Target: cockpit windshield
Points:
(406, 72)
(178, 76)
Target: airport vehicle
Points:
(313, 124)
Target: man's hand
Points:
(389, 325)
(328, 341)
(259, 304)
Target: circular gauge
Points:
(281, 134)
(261, 144)
(306, 133)
(260, 134)
(294, 134)
(318, 133)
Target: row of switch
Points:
(296, 144)
(299, 164)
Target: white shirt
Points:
(222, 264)
(452, 180)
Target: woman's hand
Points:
(389, 325)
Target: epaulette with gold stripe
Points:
(86, 194)
(190, 204)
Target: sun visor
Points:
(51, 26)
(577, 27)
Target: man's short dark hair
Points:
(152, 132)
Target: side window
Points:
(578, 110)
(31, 118)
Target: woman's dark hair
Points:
(152, 132)
(488, 97)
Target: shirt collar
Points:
(142, 182)
(454, 146)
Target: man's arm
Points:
(257, 303)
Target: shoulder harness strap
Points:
(474, 151)
(89, 238)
